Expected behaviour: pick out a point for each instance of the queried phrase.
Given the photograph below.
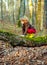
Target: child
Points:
(27, 28)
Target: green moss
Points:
(37, 41)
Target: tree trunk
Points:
(2, 9)
(45, 12)
(38, 16)
(13, 18)
(45, 15)
(42, 14)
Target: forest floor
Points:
(22, 55)
(10, 27)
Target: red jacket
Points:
(31, 30)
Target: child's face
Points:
(23, 21)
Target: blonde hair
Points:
(24, 18)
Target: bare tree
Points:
(45, 7)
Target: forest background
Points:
(12, 10)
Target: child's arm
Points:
(26, 27)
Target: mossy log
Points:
(16, 40)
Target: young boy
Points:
(27, 28)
